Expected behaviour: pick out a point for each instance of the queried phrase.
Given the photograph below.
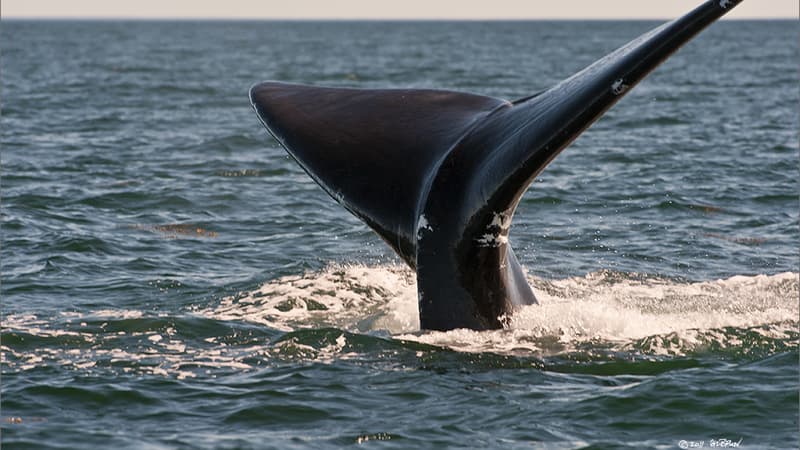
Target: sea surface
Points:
(171, 279)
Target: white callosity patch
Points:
(496, 231)
(422, 226)
(492, 240)
(619, 87)
(501, 220)
(725, 4)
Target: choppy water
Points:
(171, 279)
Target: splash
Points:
(350, 297)
(617, 309)
(356, 312)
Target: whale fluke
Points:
(438, 174)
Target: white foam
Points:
(604, 310)
(351, 297)
(603, 306)
(173, 357)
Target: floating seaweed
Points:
(174, 230)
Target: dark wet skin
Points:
(438, 174)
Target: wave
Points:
(351, 297)
(646, 313)
(605, 323)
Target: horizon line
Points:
(372, 19)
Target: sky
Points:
(383, 9)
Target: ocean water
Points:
(171, 279)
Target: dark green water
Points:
(171, 279)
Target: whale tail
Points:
(438, 174)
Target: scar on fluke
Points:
(429, 170)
